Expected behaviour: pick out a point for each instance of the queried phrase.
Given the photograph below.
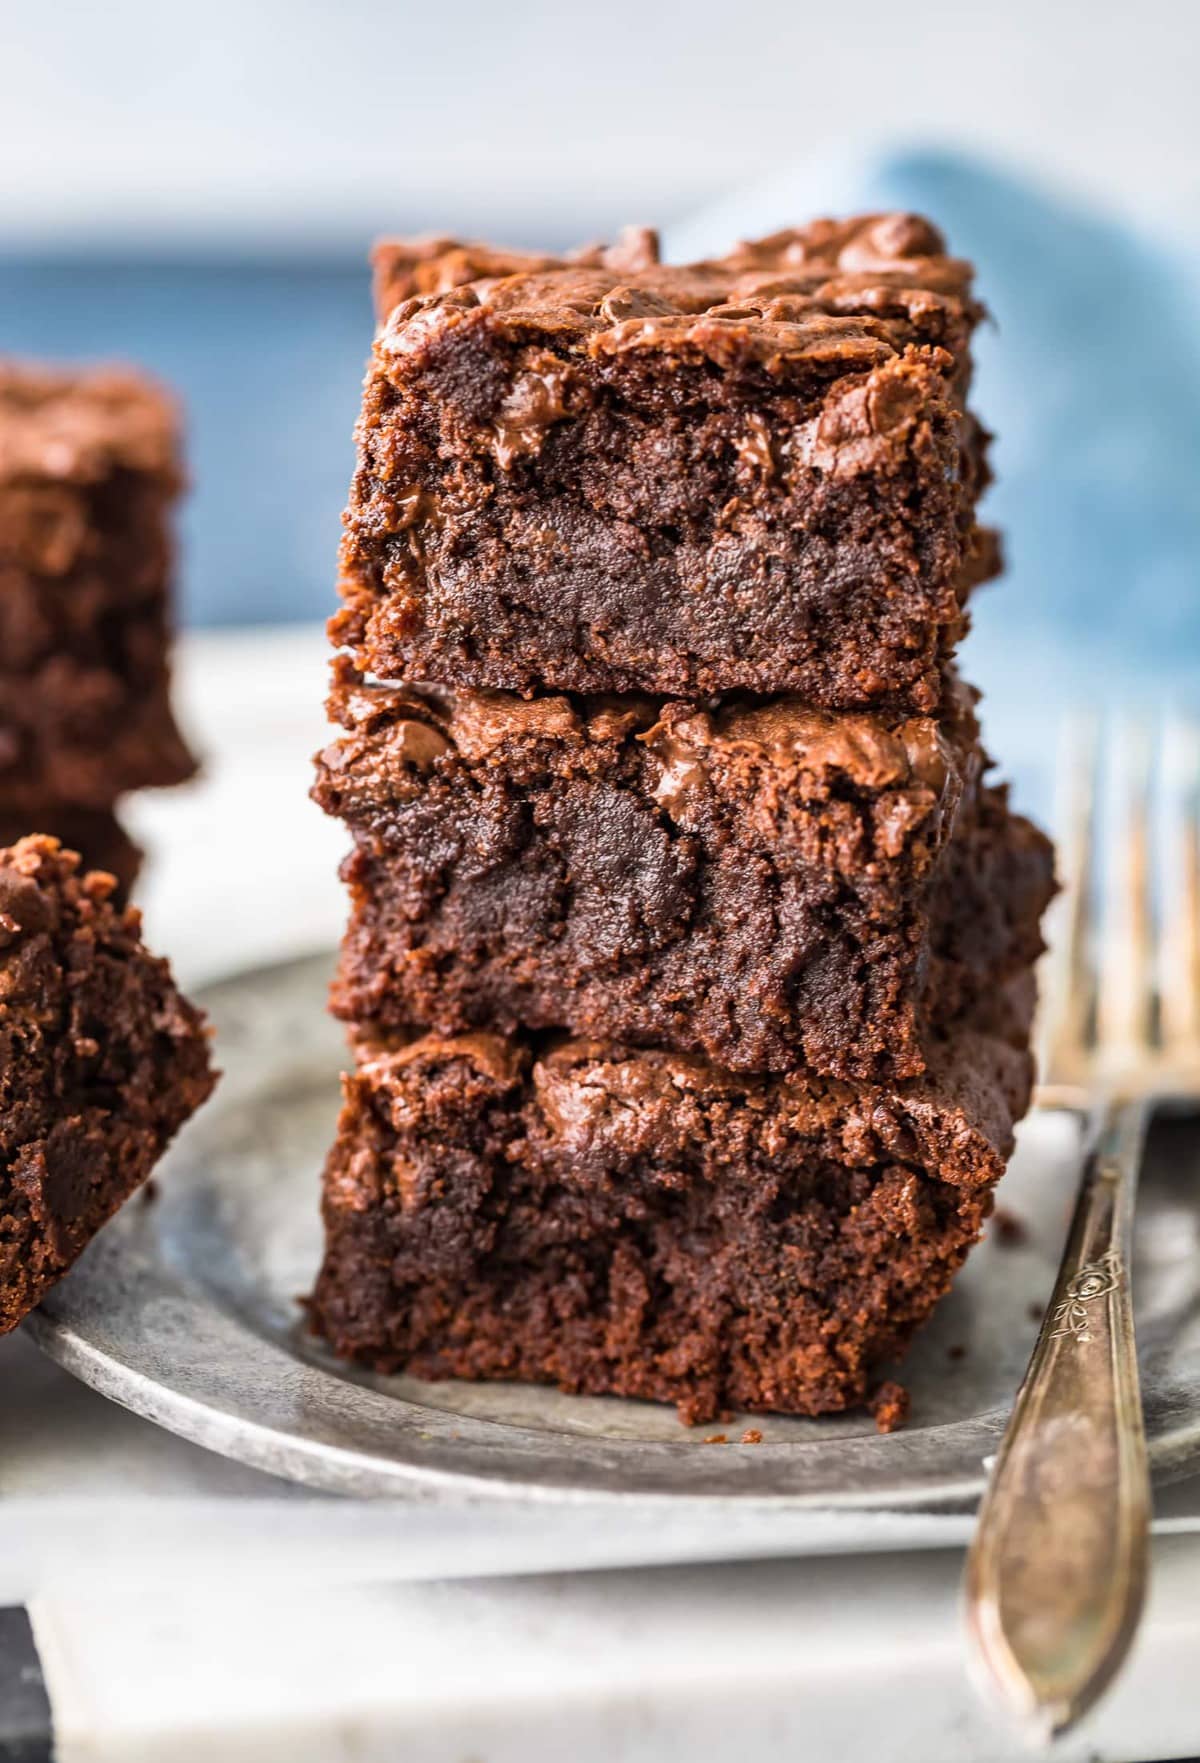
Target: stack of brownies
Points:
(89, 469)
(689, 971)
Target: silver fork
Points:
(1056, 1575)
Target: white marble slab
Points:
(851, 1661)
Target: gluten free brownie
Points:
(755, 473)
(762, 883)
(646, 1224)
(89, 470)
(102, 1060)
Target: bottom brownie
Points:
(643, 1224)
(101, 1062)
(96, 834)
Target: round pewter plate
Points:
(186, 1310)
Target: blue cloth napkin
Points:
(1090, 377)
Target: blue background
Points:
(267, 359)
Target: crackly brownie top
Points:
(78, 425)
(849, 293)
(396, 726)
(904, 248)
(407, 267)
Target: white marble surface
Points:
(789, 1662)
(184, 1603)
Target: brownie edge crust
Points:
(643, 1224)
(101, 1061)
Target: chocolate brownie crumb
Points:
(890, 1406)
(1009, 1228)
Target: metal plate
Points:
(185, 1309)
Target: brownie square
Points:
(102, 1060)
(640, 1223)
(768, 885)
(89, 470)
(755, 473)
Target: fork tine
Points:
(1125, 955)
(1068, 986)
(1179, 975)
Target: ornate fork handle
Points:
(1057, 1572)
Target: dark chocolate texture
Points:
(101, 1061)
(762, 883)
(756, 473)
(644, 1224)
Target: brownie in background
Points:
(89, 473)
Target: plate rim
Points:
(496, 1460)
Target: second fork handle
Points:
(1057, 1572)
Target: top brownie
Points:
(89, 470)
(754, 473)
